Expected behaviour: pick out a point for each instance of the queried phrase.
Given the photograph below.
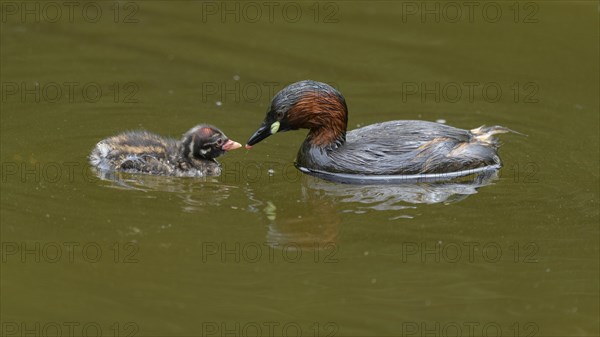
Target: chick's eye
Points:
(220, 141)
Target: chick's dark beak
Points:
(263, 132)
(231, 145)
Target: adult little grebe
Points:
(382, 152)
(145, 152)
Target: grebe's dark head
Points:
(206, 142)
(306, 105)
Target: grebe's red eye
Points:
(279, 115)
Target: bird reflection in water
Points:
(360, 198)
(197, 194)
(312, 223)
(315, 220)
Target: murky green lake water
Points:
(264, 250)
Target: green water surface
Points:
(264, 250)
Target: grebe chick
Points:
(145, 152)
(386, 152)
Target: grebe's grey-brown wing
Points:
(396, 147)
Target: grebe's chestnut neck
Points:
(307, 105)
